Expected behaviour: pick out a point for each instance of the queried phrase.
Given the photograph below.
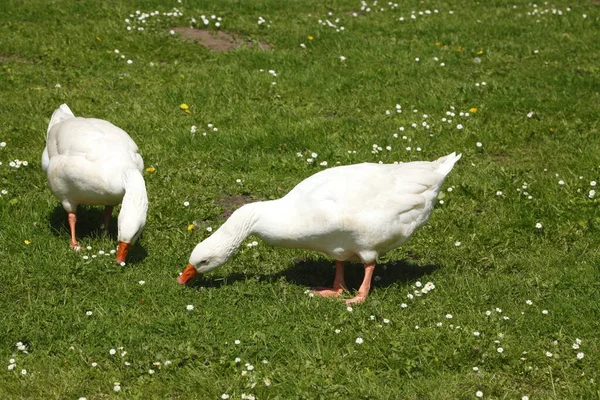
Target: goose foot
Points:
(327, 292)
(338, 283)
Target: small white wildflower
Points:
(151, 371)
(500, 350)
(186, 203)
(530, 114)
(189, 307)
(580, 356)
(112, 352)
(439, 324)
(457, 244)
(476, 333)
(538, 225)
(545, 312)
(404, 305)
(479, 393)
(23, 371)
(342, 58)
(529, 302)
(142, 282)
(237, 341)
(561, 182)
(224, 396)
(337, 331)
(476, 369)
(449, 316)
(386, 321)
(548, 354)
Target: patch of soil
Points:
(7, 57)
(217, 41)
(232, 203)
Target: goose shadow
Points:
(314, 273)
(89, 225)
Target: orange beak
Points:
(188, 274)
(122, 251)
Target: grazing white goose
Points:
(92, 162)
(351, 213)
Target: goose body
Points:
(90, 161)
(351, 213)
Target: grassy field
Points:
(512, 246)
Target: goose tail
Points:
(60, 114)
(446, 163)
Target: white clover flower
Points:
(142, 282)
(476, 369)
(349, 309)
(209, 229)
(439, 324)
(237, 341)
(404, 305)
(193, 129)
(151, 371)
(88, 313)
(323, 164)
(500, 350)
(359, 340)
(530, 114)
(449, 316)
(189, 307)
(337, 331)
(545, 312)
(575, 346)
(548, 354)
(561, 182)
(237, 360)
(112, 352)
(457, 244)
(186, 203)
(224, 396)
(580, 355)
(578, 341)
(525, 398)
(488, 313)
(529, 302)
(479, 393)
(591, 194)
(117, 388)
(2, 144)
(476, 333)
(24, 371)
(342, 58)
(499, 193)
(11, 367)
(539, 225)
(386, 321)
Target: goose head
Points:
(206, 256)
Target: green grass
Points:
(542, 63)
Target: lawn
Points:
(511, 250)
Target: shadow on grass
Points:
(89, 225)
(313, 273)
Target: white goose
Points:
(351, 213)
(91, 161)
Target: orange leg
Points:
(363, 291)
(339, 285)
(72, 222)
(107, 214)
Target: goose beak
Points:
(188, 274)
(122, 251)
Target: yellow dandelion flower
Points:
(310, 37)
(459, 48)
(98, 38)
(473, 109)
(191, 227)
(151, 170)
(27, 242)
(438, 44)
(480, 52)
(184, 106)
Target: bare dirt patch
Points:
(217, 41)
(232, 203)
